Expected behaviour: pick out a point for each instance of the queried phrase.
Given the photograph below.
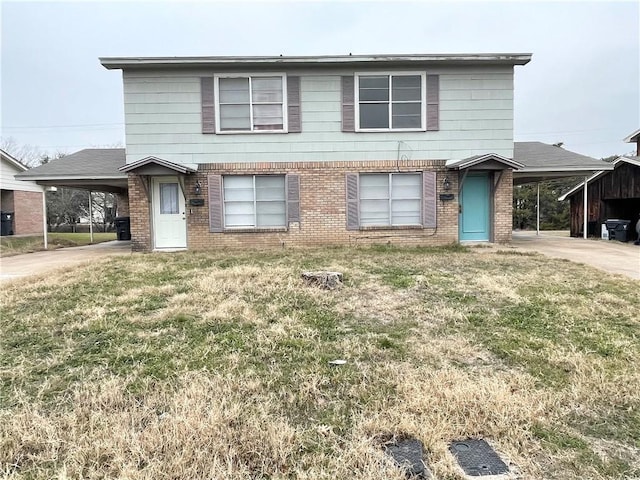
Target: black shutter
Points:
(293, 197)
(429, 203)
(352, 200)
(293, 105)
(433, 102)
(348, 105)
(207, 97)
(216, 222)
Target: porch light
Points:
(197, 188)
(446, 184)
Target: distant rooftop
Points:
(318, 61)
(6, 156)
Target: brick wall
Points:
(503, 208)
(122, 200)
(28, 218)
(139, 213)
(322, 207)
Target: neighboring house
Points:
(613, 194)
(21, 202)
(257, 151)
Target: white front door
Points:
(169, 219)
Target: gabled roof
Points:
(543, 161)
(87, 163)
(615, 164)
(634, 137)
(13, 161)
(542, 156)
(317, 61)
(90, 169)
(478, 159)
(143, 162)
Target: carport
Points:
(610, 195)
(92, 169)
(547, 162)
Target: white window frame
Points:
(390, 200)
(216, 89)
(423, 101)
(255, 205)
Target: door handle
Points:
(459, 208)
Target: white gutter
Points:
(495, 58)
(27, 177)
(582, 168)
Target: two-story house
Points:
(259, 151)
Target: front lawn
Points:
(215, 365)
(16, 245)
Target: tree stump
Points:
(326, 280)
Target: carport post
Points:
(90, 216)
(538, 210)
(584, 209)
(44, 218)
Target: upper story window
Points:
(390, 102)
(253, 103)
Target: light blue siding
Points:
(162, 116)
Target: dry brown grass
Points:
(215, 366)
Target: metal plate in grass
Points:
(477, 458)
(408, 455)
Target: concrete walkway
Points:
(608, 255)
(19, 266)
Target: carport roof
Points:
(615, 164)
(90, 169)
(544, 162)
(634, 137)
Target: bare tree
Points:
(28, 155)
(104, 209)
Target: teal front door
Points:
(475, 213)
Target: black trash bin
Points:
(6, 223)
(123, 228)
(618, 229)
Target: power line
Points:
(113, 125)
(558, 132)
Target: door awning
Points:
(488, 161)
(157, 166)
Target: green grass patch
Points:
(439, 343)
(11, 245)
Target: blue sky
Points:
(582, 87)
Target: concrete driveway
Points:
(608, 255)
(20, 266)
